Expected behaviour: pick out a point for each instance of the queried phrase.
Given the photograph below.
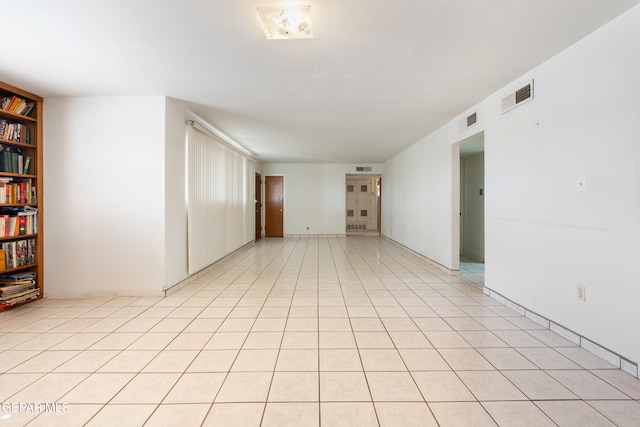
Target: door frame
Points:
(258, 206)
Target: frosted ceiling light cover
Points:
(280, 23)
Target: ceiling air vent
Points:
(520, 96)
(363, 168)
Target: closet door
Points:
(361, 209)
(352, 205)
(364, 211)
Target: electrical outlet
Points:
(581, 293)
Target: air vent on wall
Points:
(472, 119)
(520, 96)
(467, 122)
(363, 168)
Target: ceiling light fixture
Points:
(282, 23)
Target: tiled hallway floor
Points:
(472, 271)
(304, 331)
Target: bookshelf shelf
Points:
(22, 268)
(17, 175)
(15, 143)
(18, 117)
(22, 236)
(21, 216)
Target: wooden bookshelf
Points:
(20, 196)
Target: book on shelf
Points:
(12, 289)
(16, 132)
(18, 220)
(22, 225)
(17, 190)
(11, 226)
(10, 260)
(13, 160)
(17, 105)
(17, 277)
(19, 297)
(31, 251)
(18, 286)
(19, 253)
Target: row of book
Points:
(18, 253)
(16, 132)
(13, 161)
(19, 191)
(18, 287)
(18, 221)
(17, 105)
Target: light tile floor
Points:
(472, 271)
(303, 331)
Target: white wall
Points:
(115, 209)
(543, 237)
(315, 196)
(104, 195)
(417, 198)
(584, 122)
(175, 226)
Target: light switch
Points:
(581, 184)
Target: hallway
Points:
(305, 331)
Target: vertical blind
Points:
(218, 199)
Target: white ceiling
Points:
(378, 76)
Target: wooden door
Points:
(258, 189)
(274, 206)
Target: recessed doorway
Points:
(472, 193)
(363, 204)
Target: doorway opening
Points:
(363, 204)
(472, 192)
